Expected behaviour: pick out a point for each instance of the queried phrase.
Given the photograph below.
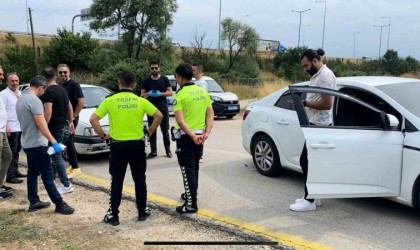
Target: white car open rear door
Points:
(357, 157)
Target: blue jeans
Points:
(57, 160)
(39, 162)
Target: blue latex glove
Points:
(155, 93)
(57, 147)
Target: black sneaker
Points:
(169, 154)
(183, 197)
(38, 206)
(187, 209)
(5, 195)
(6, 189)
(143, 215)
(14, 180)
(112, 220)
(63, 208)
(151, 155)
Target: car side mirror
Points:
(391, 121)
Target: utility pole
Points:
(325, 13)
(220, 21)
(33, 39)
(389, 30)
(300, 21)
(380, 38)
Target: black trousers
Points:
(189, 154)
(71, 149)
(164, 127)
(15, 147)
(122, 154)
(304, 165)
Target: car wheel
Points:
(265, 156)
(65, 155)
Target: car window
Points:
(285, 101)
(350, 114)
(213, 86)
(94, 96)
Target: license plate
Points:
(232, 107)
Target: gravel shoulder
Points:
(84, 229)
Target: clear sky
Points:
(273, 20)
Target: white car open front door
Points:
(358, 156)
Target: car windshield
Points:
(94, 96)
(213, 86)
(405, 94)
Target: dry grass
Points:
(411, 75)
(270, 83)
(40, 41)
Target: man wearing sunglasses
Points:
(156, 88)
(77, 100)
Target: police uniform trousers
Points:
(189, 154)
(122, 154)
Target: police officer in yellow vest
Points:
(194, 118)
(126, 111)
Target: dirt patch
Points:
(84, 229)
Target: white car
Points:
(372, 149)
(223, 103)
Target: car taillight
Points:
(247, 111)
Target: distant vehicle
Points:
(372, 148)
(225, 104)
(23, 86)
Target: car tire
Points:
(265, 156)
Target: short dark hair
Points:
(48, 73)
(152, 62)
(63, 65)
(127, 78)
(38, 81)
(312, 54)
(185, 71)
(199, 65)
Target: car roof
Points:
(172, 77)
(373, 81)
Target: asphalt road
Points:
(230, 185)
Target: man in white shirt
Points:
(5, 153)
(1, 75)
(198, 71)
(10, 95)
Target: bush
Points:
(101, 59)
(109, 78)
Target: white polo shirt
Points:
(3, 117)
(323, 78)
(202, 83)
(9, 99)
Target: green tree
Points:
(71, 49)
(20, 59)
(412, 64)
(102, 58)
(142, 21)
(240, 38)
(390, 61)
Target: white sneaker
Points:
(63, 190)
(303, 206)
(201, 160)
(317, 201)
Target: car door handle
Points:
(322, 146)
(283, 122)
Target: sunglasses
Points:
(154, 68)
(62, 72)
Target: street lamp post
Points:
(325, 14)
(380, 38)
(304, 30)
(389, 29)
(220, 21)
(354, 43)
(300, 21)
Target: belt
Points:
(195, 131)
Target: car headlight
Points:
(89, 132)
(216, 99)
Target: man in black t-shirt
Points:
(77, 100)
(59, 116)
(156, 88)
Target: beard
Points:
(312, 71)
(155, 73)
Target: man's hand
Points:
(57, 147)
(72, 129)
(154, 93)
(8, 132)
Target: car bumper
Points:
(226, 109)
(90, 145)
